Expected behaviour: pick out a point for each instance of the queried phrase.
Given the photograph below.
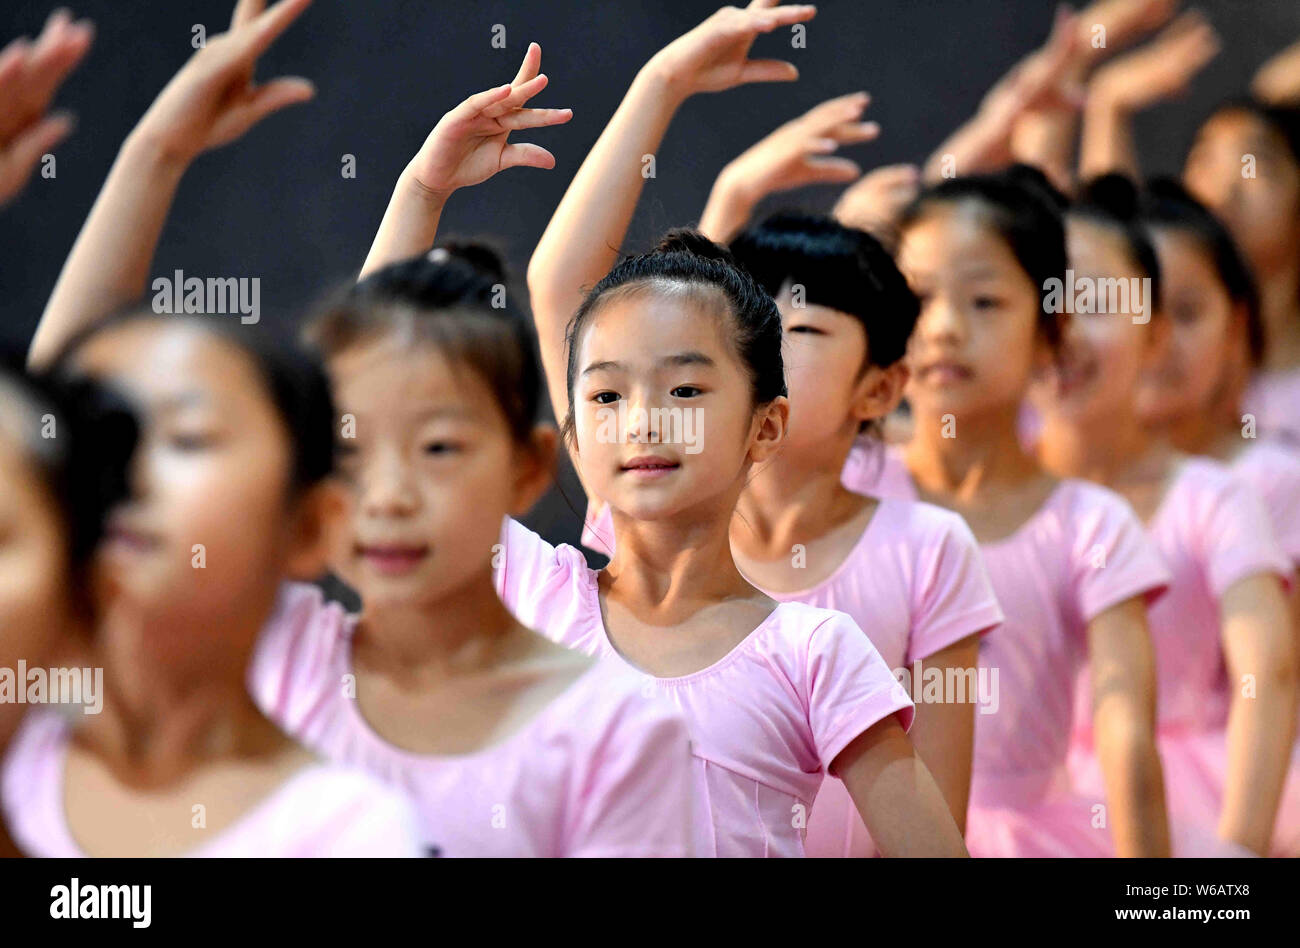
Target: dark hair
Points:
(1167, 204)
(294, 378)
(80, 437)
(1025, 211)
(688, 258)
(839, 267)
(455, 299)
(1112, 201)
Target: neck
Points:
(797, 495)
(456, 633)
(984, 456)
(675, 565)
(1279, 298)
(163, 713)
(1097, 449)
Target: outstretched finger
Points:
(517, 97)
(19, 160)
(479, 101)
(531, 65)
(256, 37)
(833, 170)
(526, 155)
(768, 70)
(534, 118)
(245, 12)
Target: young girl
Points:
(54, 494)
(1193, 394)
(650, 295)
(228, 497)
(1245, 166)
(1224, 755)
(1069, 563)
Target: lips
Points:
(946, 373)
(392, 559)
(650, 466)
(128, 538)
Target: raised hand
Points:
(875, 202)
(212, 100)
(1125, 22)
(1160, 70)
(471, 142)
(715, 55)
(30, 75)
(799, 153)
(1278, 80)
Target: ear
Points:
(769, 429)
(879, 391)
(318, 513)
(534, 468)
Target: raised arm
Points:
(1160, 70)
(468, 145)
(210, 102)
(799, 153)
(30, 75)
(1123, 670)
(582, 240)
(1278, 80)
(1037, 82)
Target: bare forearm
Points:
(1135, 798)
(1261, 729)
(1107, 143)
(728, 210)
(582, 240)
(943, 736)
(109, 264)
(409, 227)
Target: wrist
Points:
(144, 149)
(662, 83)
(411, 187)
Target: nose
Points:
(940, 322)
(640, 423)
(387, 487)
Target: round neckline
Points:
(420, 758)
(70, 841)
(732, 654)
(841, 567)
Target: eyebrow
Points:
(677, 359)
(182, 400)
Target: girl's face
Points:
(663, 408)
(35, 605)
(824, 352)
(976, 343)
(1207, 338)
(209, 531)
(1103, 353)
(1244, 172)
(431, 467)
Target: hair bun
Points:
(483, 257)
(685, 240)
(1033, 180)
(1113, 193)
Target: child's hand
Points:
(875, 202)
(1278, 80)
(714, 56)
(797, 154)
(1125, 22)
(1160, 70)
(30, 75)
(470, 143)
(212, 100)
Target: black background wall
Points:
(276, 206)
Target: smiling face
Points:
(431, 472)
(35, 580)
(663, 409)
(1207, 338)
(210, 529)
(1103, 353)
(1243, 171)
(977, 341)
